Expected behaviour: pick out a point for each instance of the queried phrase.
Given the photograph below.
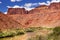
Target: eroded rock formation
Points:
(44, 16)
(7, 23)
(16, 11)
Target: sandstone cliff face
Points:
(7, 23)
(44, 16)
(55, 6)
(16, 11)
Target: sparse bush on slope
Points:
(55, 35)
(20, 31)
(11, 33)
(32, 29)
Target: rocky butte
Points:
(41, 16)
(16, 11)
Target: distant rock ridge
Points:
(41, 16)
(41, 7)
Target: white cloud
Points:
(9, 6)
(43, 3)
(5, 12)
(55, 1)
(16, 6)
(16, 0)
(12, 0)
(0, 2)
(28, 6)
(49, 2)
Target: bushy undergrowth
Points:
(14, 32)
(19, 31)
(32, 29)
(55, 35)
(11, 32)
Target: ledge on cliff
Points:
(16, 11)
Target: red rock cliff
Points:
(54, 6)
(16, 11)
(45, 16)
(6, 22)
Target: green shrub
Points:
(31, 29)
(56, 30)
(1, 35)
(7, 33)
(55, 35)
(11, 33)
(20, 32)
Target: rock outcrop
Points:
(48, 16)
(44, 16)
(55, 6)
(8, 23)
(16, 11)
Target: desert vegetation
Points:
(38, 33)
(11, 32)
(22, 31)
(14, 32)
(55, 35)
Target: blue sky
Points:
(27, 4)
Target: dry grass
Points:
(27, 35)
